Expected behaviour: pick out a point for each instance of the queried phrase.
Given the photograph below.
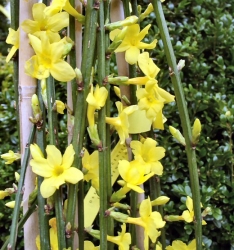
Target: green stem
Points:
(185, 122)
(43, 218)
(30, 210)
(53, 139)
(14, 25)
(155, 192)
(72, 55)
(110, 221)
(89, 42)
(102, 133)
(19, 193)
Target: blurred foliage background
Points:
(202, 34)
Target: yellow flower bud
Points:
(3, 194)
(146, 13)
(117, 91)
(177, 135)
(17, 176)
(60, 106)
(79, 76)
(36, 109)
(196, 131)
(161, 200)
(126, 22)
(10, 204)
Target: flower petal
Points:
(54, 157)
(145, 208)
(62, 71)
(68, 157)
(131, 55)
(46, 189)
(72, 175)
(41, 167)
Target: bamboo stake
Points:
(27, 87)
(117, 14)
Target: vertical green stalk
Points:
(155, 190)
(110, 221)
(102, 133)
(53, 139)
(89, 42)
(72, 55)
(19, 193)
(43, 218)
(14, 25)
(185, 122)
(133, 100)
(30, 210)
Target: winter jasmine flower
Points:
(56, 169)
(52, 23)
(149, 155)
(188, 215)
(10, 157)
(48, 60)
(90, 164)
(60, 106)
(120, 122)
(132, 44)
(179, 245)
(53, 235)
(123, 240)
(13, 39)
(133, 174)
(149, 102)
(59, 5)
(96, 100)
(150, 221)
(3, 194)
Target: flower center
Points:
(58, 170)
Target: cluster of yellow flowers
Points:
(57, 169)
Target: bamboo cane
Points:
(27, 87)
(117, 14)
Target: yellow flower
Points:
(188, 215)
(12, 38)
(59, 5)
(52, 23)
(96, 100)
(3, 194)
(196, 131)
(121, 123)
(161, 200)
(10, 157)
(60, 106)
(149, 102)
(53, 236)
(146, 13)
(150, 69)
(179, 245)
(91, 168)
(123, 240)
(88, 245)
(132, 43)
(11, 204)
(56, 169)
(149, 155)
(48, 60)
(150, 221)
(133, 174)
